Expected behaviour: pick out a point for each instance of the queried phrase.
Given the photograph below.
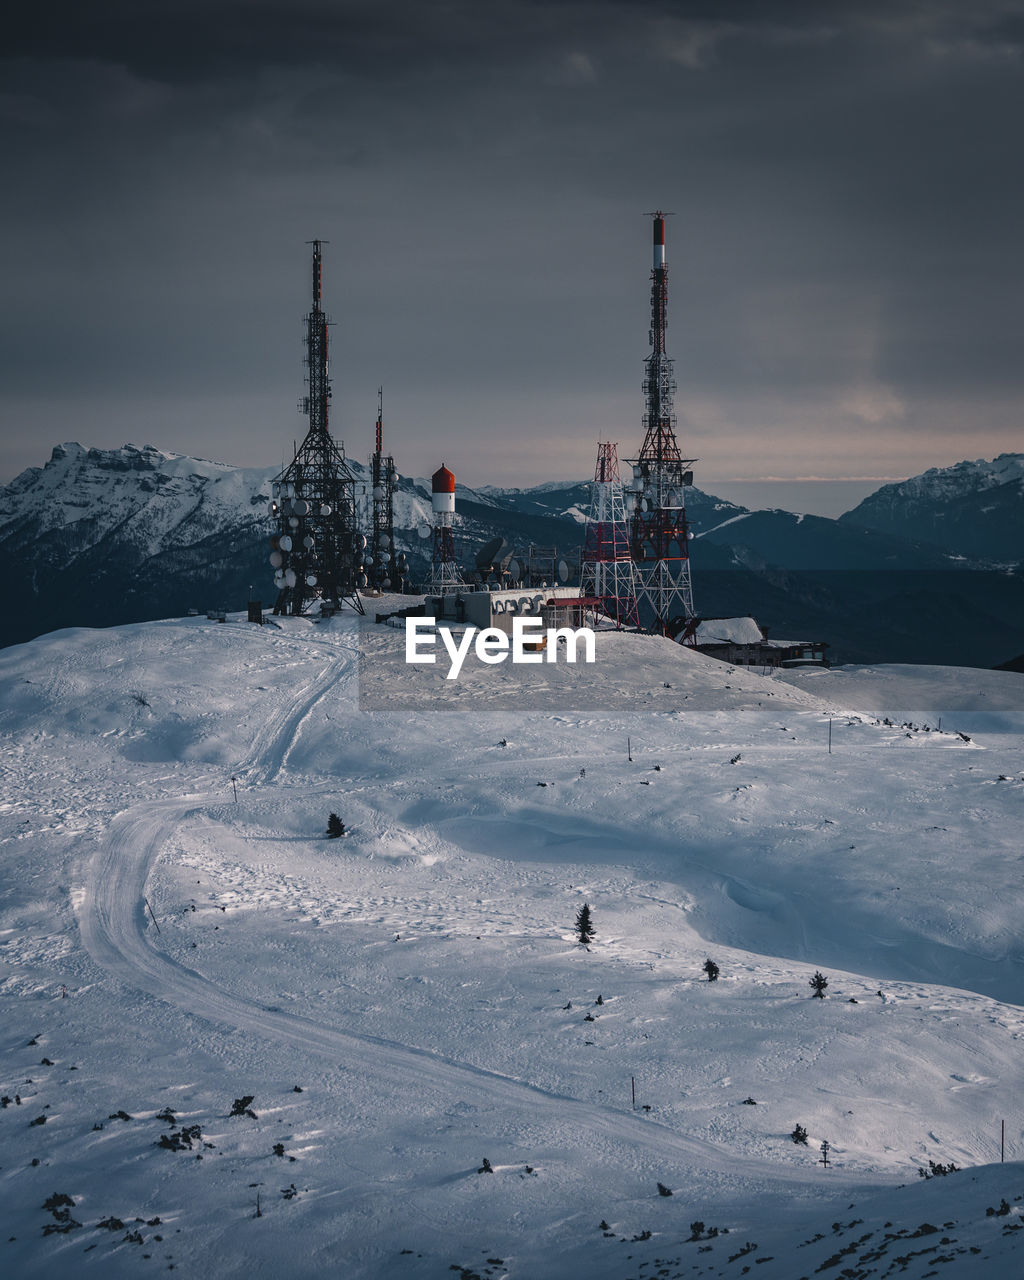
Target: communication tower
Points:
(317, 547)
(444, 577)
(608, 573)
(382, 568)
(659, 536)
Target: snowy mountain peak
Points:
(152, 491)
(970, 509)
(945, 483)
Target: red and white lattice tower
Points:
(445, 577)
(608, 573)
(659, 536)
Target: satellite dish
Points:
(325, 510)
(307, 542)
(361, 580)
(515, 569)
(385, 582)
(285, 542)
(424, 531)
(310, 579)
(562, 570)
(491, 553)
(359, 541)
(290, 578)
(276, 559)
(301, 507)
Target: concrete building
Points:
(499, 608)
(743, 643)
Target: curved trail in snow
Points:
(116, 933)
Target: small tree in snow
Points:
(584, 925)
(819, 982)
(799, 1135)
(335, 826)
(711, 969)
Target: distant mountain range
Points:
(973, 509)
(924, 571)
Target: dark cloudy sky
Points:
(845, 251)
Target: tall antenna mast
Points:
(315, 550)
(382, 568)
(317, 404)
(659, 536)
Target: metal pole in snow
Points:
(146, 901)
(1002, 1141)
(629, 751)
(632, 1081)
(234, 787)
(830, 735)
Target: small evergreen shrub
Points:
(584, 925)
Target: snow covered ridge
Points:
(235, 1046)
(972, 508)
(963, 477)
(97, 490)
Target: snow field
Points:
(420, 1054)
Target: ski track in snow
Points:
(112, 915)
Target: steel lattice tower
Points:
(383, 568)
(608, 572)
(316, 549)
(659, 537)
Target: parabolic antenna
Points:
(491, 553)
(424, 531)
(562, 570)
(515, 569)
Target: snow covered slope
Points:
(282, 1054)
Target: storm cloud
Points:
(844, 250)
